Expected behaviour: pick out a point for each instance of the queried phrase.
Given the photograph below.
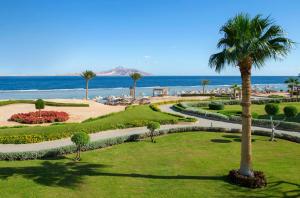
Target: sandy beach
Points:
(77, 114)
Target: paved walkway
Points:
(6, 148)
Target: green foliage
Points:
(216, 106)
(88, 75)
(196, 111)
(136, 116)
(152, 126)
(257, 38)
(80, 139)
(272, 109)
(290, 111)
(39, 104)
(275, 96)
(56, 152)
(154, 107)
(135, 76)
(116, 172)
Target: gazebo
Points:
(161, 91)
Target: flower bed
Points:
(37, 118)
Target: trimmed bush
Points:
(155, 107)
(80, 139)
(216, 106)
(290, 126)
(40, 104)
(272, 109)
(290, 111)
(152, 126)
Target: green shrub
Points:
(272, 109)
(290, 111)
(152, 126)
(50, 153)
(216, 106)
(154, 107)
(39, 104)
(80, 139)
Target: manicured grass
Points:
(48, 103)
(258, 111)
(131, 117)
(190, 164)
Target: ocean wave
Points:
(120, 88)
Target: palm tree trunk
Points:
(234, 92)
(86, 89)
(246, 147)
(134, 86)
(203, 89)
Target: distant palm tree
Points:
(135, 77)
(292, 82)
(204, 83)
(87, 75)
(235, 87)
(249, 42)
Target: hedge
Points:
(48, 103)
(56, 152)
(237, 102)
(290, 126)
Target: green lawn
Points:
(258, 111)
(133, 116)
(178, 165)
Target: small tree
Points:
(80, 139)
(204, 83)
(292, 82)
(272, 110)
(235, 88)
(135, 77)
(87, 75)
(152, 126)
(40, 104)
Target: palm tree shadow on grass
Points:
(54, 173)
(70, 175)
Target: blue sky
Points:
(163, 37)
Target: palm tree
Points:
(235, 87)
(292, 82)
(135, 77)
(204, 83)
(249, 42)
(87, 75)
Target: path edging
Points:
(58, 152)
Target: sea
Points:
(69, 87)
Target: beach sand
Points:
(77, 114)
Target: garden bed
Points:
(40, 117)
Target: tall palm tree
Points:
(135, 77)
(204, 83)
(292, 82)
(249, 42)
(235, 88)
(87, 75)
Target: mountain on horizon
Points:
(121, 71)
(118, 71)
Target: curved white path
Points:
(7, 148)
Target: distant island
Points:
(118, 71)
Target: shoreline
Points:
(79, 93)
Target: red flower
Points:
(34, 117)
